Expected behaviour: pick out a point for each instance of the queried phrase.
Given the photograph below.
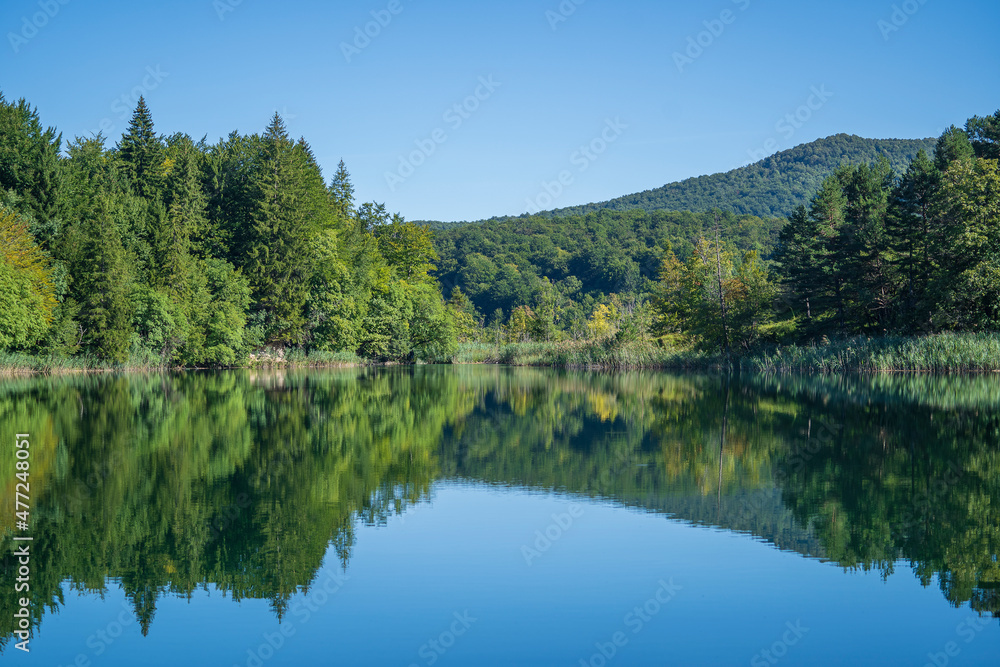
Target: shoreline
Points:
(952, 354)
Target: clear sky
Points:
(628, 80)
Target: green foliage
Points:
(27, 295)
(874, 254)
(141, 154)
(690, 298)
(573, 263)
(164, 251)
(292, 208)
(30, 169)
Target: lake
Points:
(495, 516)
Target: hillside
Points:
(589, 251)
(500, 264)
(772, 187)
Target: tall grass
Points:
(584, 354)
(18, 363)
(940, 353)
(318, 358)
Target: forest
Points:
(163, 251)
(874, 253)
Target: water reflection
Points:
(165, 484)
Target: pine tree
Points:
(953, 145)
(342, 192)
(984, 133)
(29, 167)
(867, 266)
(185, 204)
(105, 285)
(292, 207)
(913, 236)
(799, 246)
(141, 153)
(827, 211)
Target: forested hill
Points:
(772, 187)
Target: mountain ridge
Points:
(771, 187)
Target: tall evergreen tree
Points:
(141, 153)
(828, 212)
(185, 203)
(953, 145)
(292, 208)
(342, 192)
(105, 283)
(867, 264)
(29, 167)
(984, 133)
(913, 236)
(799, 247)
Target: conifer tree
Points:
(911, 225)
(105, 283)
(342, 192)
(141, 153)
(292, 207)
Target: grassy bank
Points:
(572, 354)
(942, 353)
(16, 363)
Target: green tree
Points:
(105, 283)
(911, 223)
(968, 283)
(141, 153)
(27, 295)
(867, 265)
(30, 168)
(342, 192)
(292, 207)
(953, 145)
(408, 248)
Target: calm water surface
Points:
(489, 516)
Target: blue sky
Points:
(559, 103)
